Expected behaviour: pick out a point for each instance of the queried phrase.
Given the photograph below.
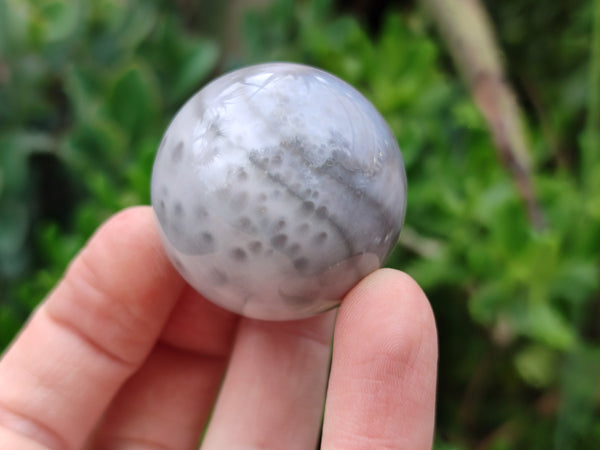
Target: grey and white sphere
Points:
(277, 187)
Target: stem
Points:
(469, 35)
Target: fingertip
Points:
(390, 302)
(384, 367)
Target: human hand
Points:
(123, 354)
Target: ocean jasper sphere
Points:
(277, 188)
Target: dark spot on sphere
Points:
(321, 212)
(218, 276)
(177, 153)
(320, 238)
(298, 301)
(245, 224)
(195, 243)
(201, 212)
(255, 247)
(178, 210)
(276, 160)
(278, 241)
(279, 225)
(241, 174)
(239, 254)
(301, 264)
(307, 207)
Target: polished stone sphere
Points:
(277, 188)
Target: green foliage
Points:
(87, 88)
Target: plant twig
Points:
(469, 35)
(421, 245)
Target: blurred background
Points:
(496, 106)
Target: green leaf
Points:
(546, 325)
(134, 99)
(577, 418)
(576, 280)
(492, 299)
(198, 63)
(59, 19)
(94, 142)
(537, 365)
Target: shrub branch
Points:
(468, 33)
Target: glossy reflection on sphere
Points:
(277, 188)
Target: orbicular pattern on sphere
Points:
(278, 187)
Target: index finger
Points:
(383, 374)
(91, 333)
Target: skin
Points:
(124, 355)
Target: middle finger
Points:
(274, 390)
